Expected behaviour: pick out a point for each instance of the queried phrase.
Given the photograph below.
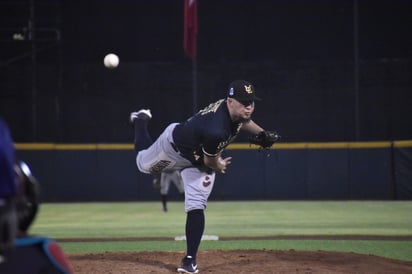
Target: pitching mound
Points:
(239, 261)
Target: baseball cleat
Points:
(143, 114)
(188, 266)
(191, 269)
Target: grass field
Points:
(232, 219)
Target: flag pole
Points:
(190, 43)
(194, 84)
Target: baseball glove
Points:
(264, 139)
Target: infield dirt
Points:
(239, 261)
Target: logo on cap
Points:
(231, 91)
(248, 89)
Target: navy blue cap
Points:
(242, 91)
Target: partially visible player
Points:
(20, 252)
(8, 190)
(195, 147)
(167, 178)
(32, 254)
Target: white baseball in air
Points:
(111, 60)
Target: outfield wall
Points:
(294, 171)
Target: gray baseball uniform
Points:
(169, 177)
(163, 155)
(194, 147)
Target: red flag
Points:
(190, 28)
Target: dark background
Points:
(327, 70)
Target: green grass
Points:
(267, 218)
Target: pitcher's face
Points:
(240, 111)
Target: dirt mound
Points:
(238, 261)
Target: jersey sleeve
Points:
(50, 249)
(58, 257)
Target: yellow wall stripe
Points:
(405, 143)
(34, 146)
(318, 145)
(51, 146)
(235, 146)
